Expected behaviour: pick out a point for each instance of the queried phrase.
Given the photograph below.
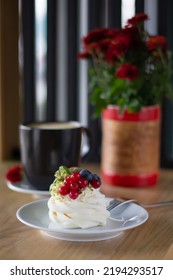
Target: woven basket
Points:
(130, 147)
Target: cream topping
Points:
(88, 210)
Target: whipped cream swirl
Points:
(88, 210)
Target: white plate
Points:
(25, 187)
(35, 214)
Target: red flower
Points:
(133, 34)
(137, 18)
(83, 55)
(97, 41)
(127, 53)
(95, 35)
(115, 50)
(156, 42)
(14, 174)
(111, 33)
(117, 47)
(103, 45)
(127, 71)
(95, 49)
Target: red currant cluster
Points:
(78, 181)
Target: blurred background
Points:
(41, 78)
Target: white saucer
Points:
(35, 215)
(25, 187)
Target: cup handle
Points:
(86, 144)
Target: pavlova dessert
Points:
(76, 200)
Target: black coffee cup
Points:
(45, 146)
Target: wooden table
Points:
(152, 240)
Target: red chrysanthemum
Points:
(117, 48)
(127, 71)
(127, 53)
(137, 18)
(124, 40)
(114, 51)
(95, 49)
(83, 55)
(95, 35)
(133, 35)
(156, 42)
(112, 33)
(103, 45)
(14, 174)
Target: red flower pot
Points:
(130, 147)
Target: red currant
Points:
(73, 194)
(83, 183)
(95, 183)
(74, 187)
(75, 176)
(67, 181)
(64, 190)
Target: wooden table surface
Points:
(152, 240)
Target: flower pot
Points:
(130, 147)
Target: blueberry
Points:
(84, 173)
(90, 177)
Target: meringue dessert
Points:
(76, 200)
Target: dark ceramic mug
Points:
(45, 146)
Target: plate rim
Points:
(15, 187)
(76, 230)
